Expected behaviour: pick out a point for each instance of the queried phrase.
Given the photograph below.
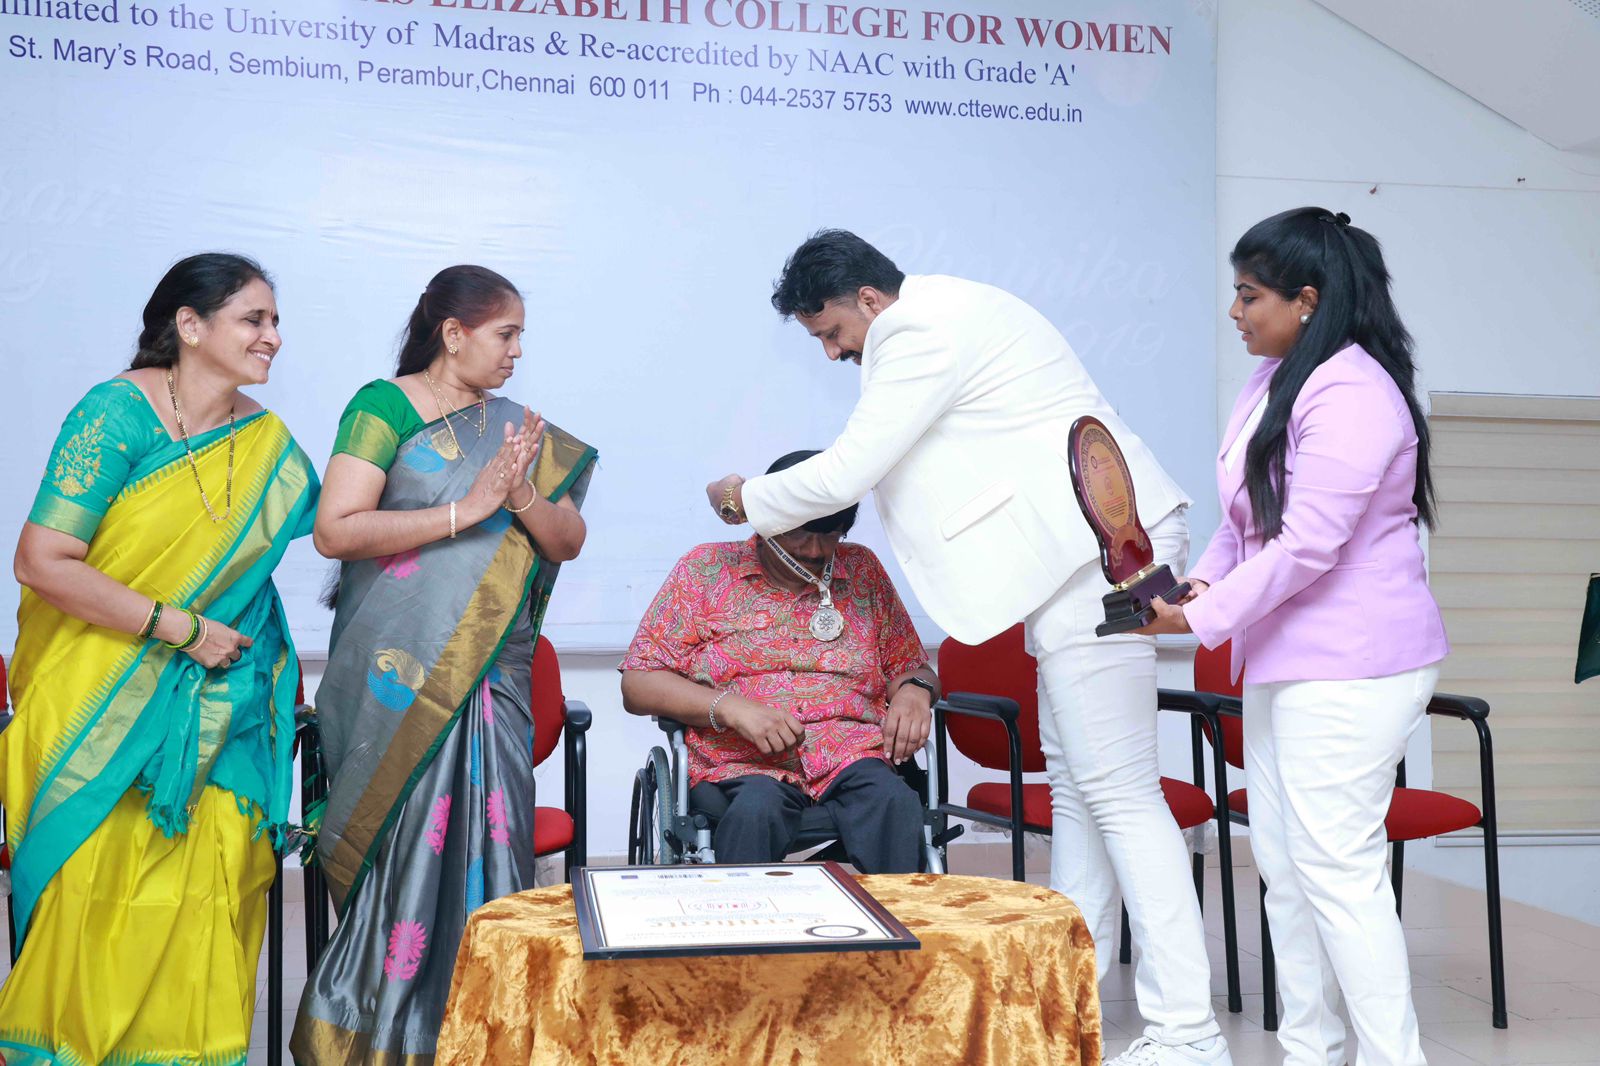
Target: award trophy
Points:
(1104, 488)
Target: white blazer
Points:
(967, 394)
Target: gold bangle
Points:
(532, 496)
(151, 620)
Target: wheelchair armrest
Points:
(667, 725)
(579, 717)
(1466, 708)
(976, 705)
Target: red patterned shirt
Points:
(718, 621)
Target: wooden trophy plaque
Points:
(1104, 488)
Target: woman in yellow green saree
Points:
(147, 771)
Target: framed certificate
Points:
(659, 911)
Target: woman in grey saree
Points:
(424, 707)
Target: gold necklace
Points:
(442, 403)
(194, 468)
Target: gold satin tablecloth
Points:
(1005, 977)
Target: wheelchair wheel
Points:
(650, 842)
(637, 826)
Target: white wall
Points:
(1492, 236)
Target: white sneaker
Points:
(1147, 1052)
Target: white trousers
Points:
(1320, 759)
(1110, 822)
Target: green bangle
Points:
(194, 633)
(153, 621)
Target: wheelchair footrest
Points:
(950, 833)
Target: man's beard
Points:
(850, 357)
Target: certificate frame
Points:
(596, 896)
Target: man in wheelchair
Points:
(799, 677)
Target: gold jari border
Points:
(315, 1040)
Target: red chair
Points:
(1414, 814)
(991, 712)
(1418, 813)
(564, 828)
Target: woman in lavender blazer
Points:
(1316, 576)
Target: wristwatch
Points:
(728, 509)
(926, 686)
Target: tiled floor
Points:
(1552, 978)
(1552, 973)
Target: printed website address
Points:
(981, 109)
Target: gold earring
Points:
(193, 342)
(452, 349)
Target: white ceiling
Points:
(1537, 62)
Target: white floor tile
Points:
(1524, 1042)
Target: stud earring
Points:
(1305, 318)
(193, 342)
(452, 349)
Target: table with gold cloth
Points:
(1005, 976)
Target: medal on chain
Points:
(826, 622)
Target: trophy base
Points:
(1129, 609)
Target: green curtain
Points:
(1589, 635)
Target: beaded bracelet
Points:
(711, 712)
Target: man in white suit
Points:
(967, 394)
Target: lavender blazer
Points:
(1341, 593)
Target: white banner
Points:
(640, 169)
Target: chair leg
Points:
(1019, 860)
(317, 915)
(1497, 956)
(1269, 971)
(1397, 871)
(1230, 929)
(308, 891)
(1125, 953)
(275, 968)
(1198, 860)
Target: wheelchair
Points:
(665, 829)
